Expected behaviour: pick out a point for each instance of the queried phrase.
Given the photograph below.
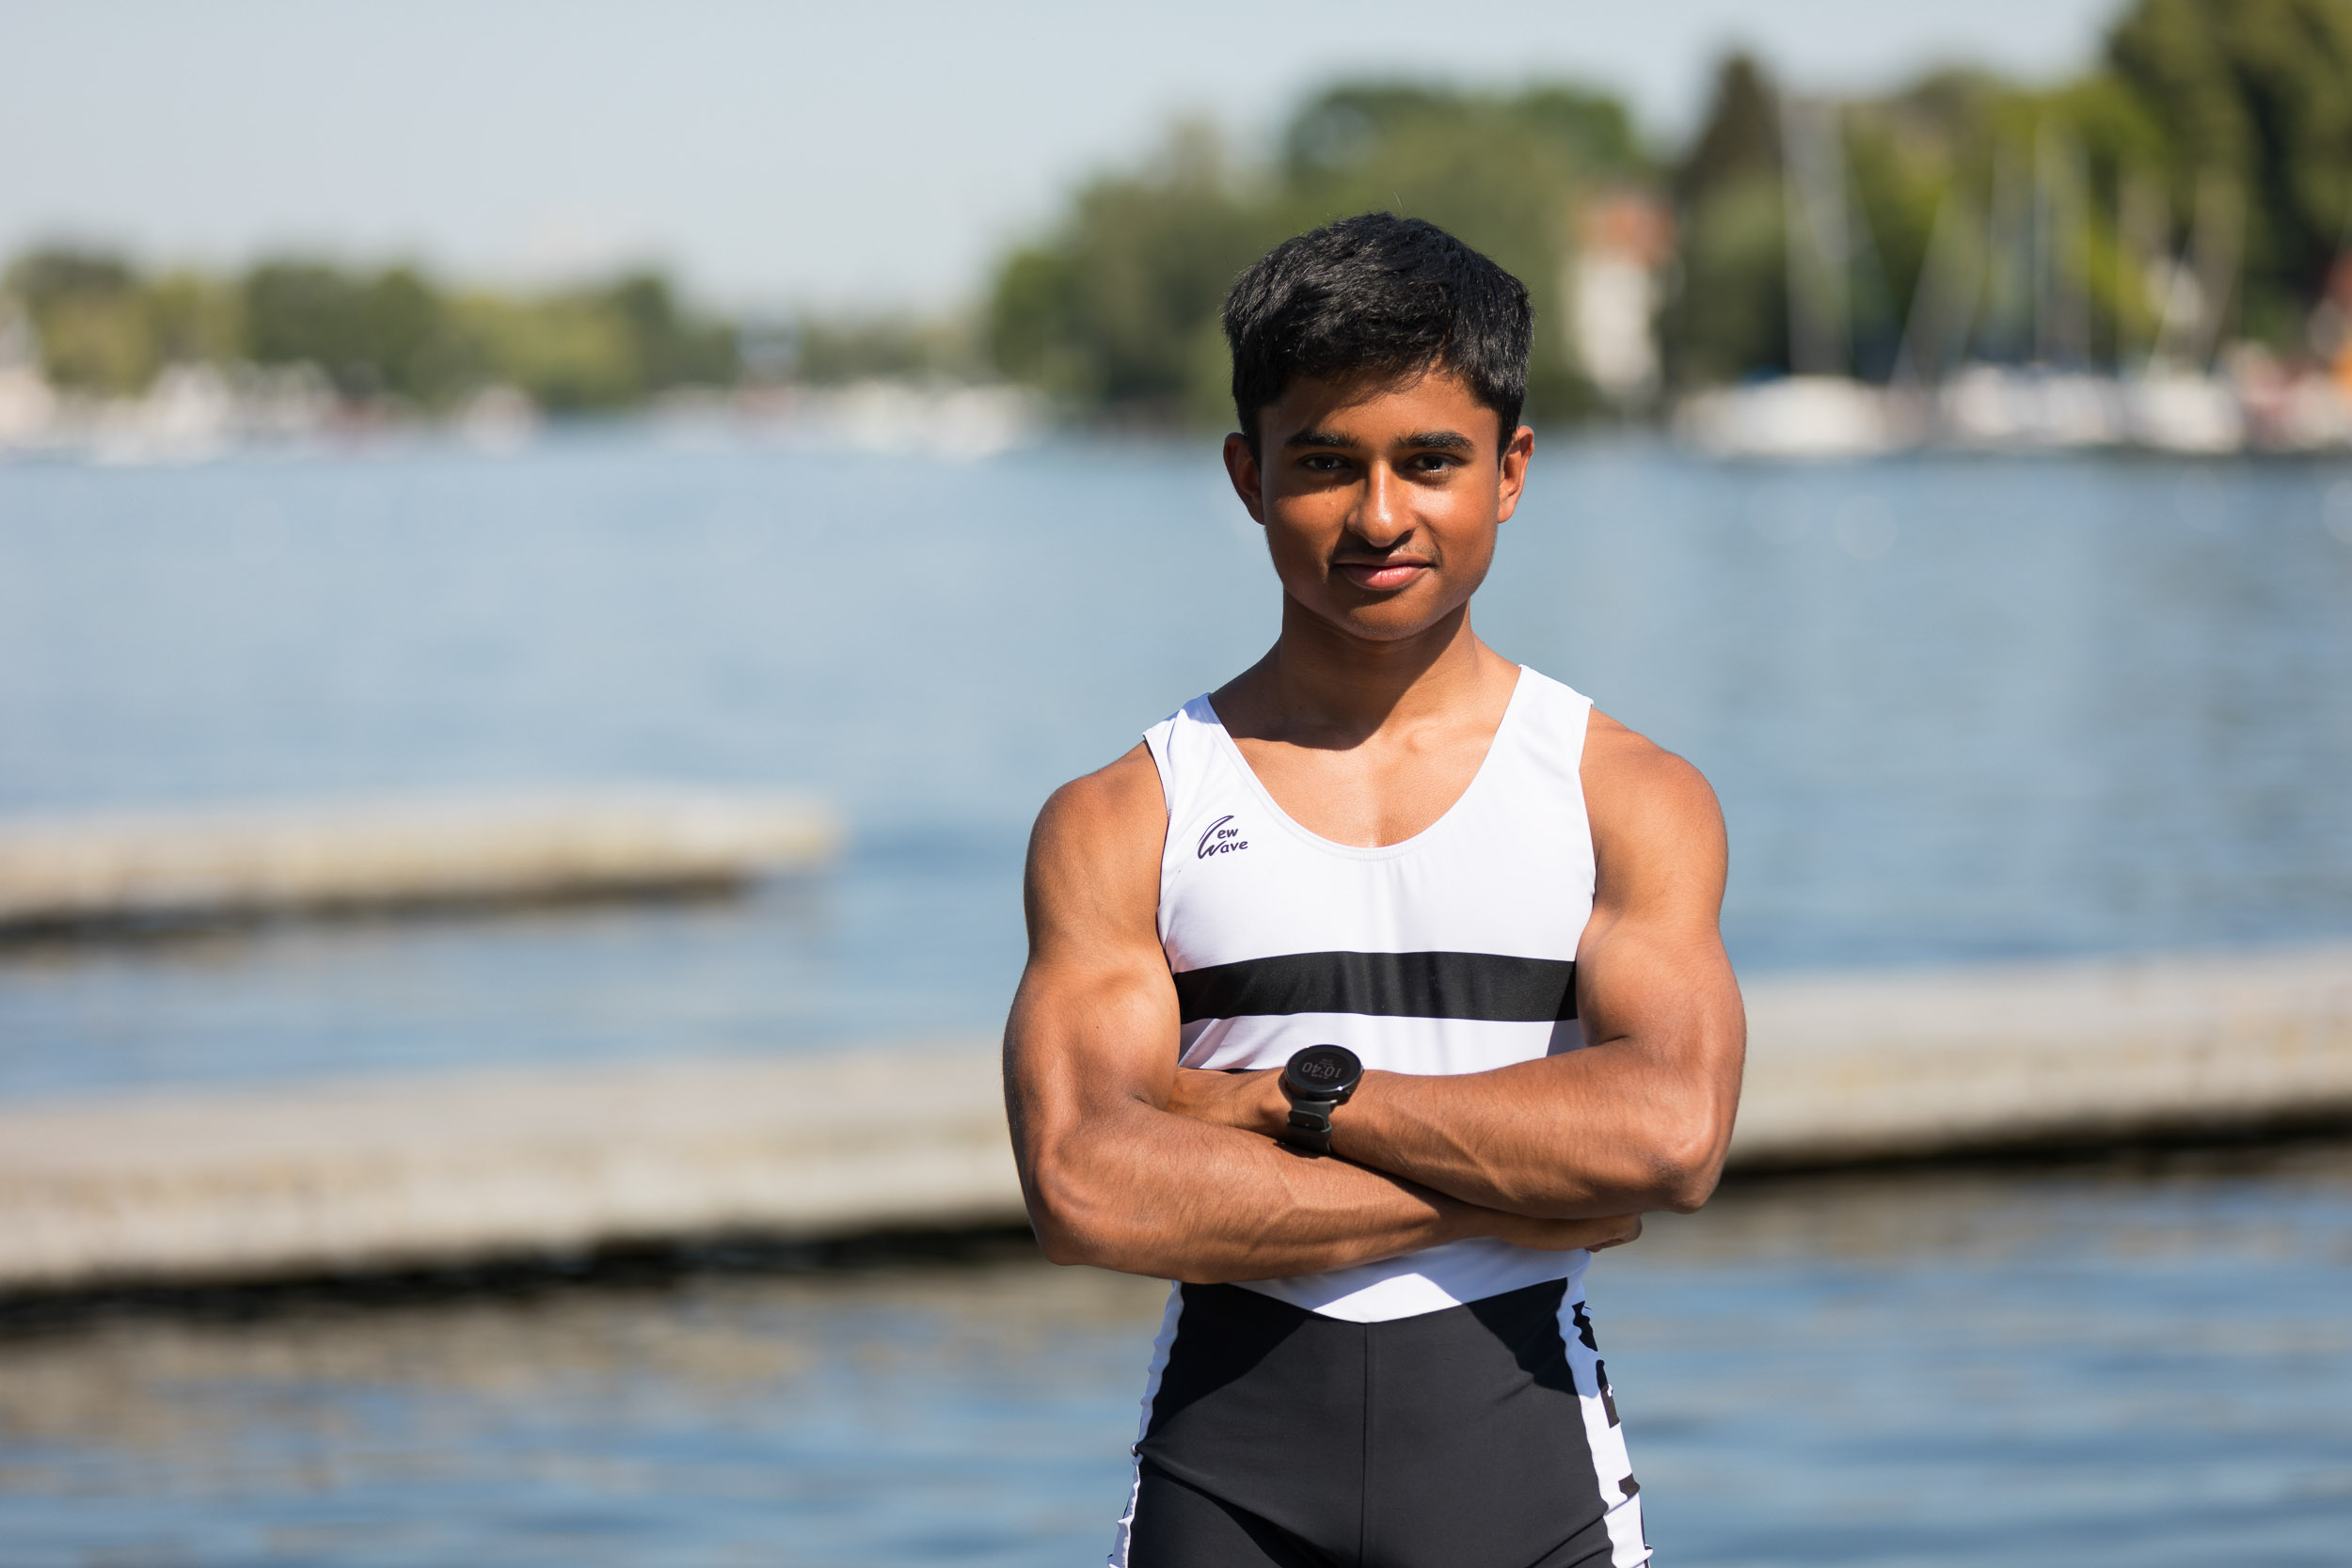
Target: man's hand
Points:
(1566, 1235)
(1247, 1102)
(1253, 1102)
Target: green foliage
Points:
(2242, 105)
(2021, 196)
(2218, 131)
(372, 334)
(830, 351)
(2258, 93)
(1729, 318)
(91, 318)
(1119, 307)
(391, 333)
(669, 346)
(1109, 312)
(1740, 139)
(195, 318)
(1504, 172)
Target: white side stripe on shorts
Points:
(1160, 1348)
(1613, 1471)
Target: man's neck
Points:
(1321, 685)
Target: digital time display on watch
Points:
(1316, 1079)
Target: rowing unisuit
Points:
(1452, 952)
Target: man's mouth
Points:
(1381, 575)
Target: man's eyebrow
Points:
(1321, 438)
(1425, 440)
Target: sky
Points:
(873, 155)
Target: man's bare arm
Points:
(1637, 1122)
(1111, 1176)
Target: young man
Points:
(1377, 988)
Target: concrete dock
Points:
(380, 1175)
(1895, 1065)
(85, 869)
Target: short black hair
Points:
(1376, 296)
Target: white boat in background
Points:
(2008, 407)
(2290, 409)
(958, 420)
(1820, 413)
(1817, 418)
(2183, 412)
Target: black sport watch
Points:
(1318, 1079)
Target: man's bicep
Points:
(1654, 938)
(1095, 1019)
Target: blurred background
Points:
(1944, 440)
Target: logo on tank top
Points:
(1220, 840)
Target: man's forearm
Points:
(1145, 1191)
(1591, 1132)
(1565, 1137)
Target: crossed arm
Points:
(1130, 1162)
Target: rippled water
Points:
(1955, 708)
(2137, 1368)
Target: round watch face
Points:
(1323, 1071)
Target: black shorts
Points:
(1482, 1436)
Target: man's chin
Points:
(1398, 618)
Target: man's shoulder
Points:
(1632, 781)
(1093, 874)
(1114, 801)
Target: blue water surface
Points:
(2104, 1368)
(1956, 709)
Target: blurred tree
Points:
(573, 353)
(1119, 308)
(1109, 312)
(827, 351)
(2258, 93)
(1728, 317)
(1741, 137)
(392, 333)
(2058, 223)
(2017, 195)
(1504, 172)
(372, 335)
(385, 333)
(91, 318)
(194, 318)
(672, 349)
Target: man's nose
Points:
(1383, 518)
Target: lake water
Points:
(2102, 1368)
(1956, 709)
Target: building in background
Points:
(1624, 240)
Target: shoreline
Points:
(551, 1168)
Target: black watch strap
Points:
(1309, 1128)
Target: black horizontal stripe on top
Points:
(1486, 985)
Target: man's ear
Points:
(1515, 452)
(1242, 468)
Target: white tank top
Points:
(1452, 952)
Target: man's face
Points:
(1380, 499)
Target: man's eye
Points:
(1326, 463)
